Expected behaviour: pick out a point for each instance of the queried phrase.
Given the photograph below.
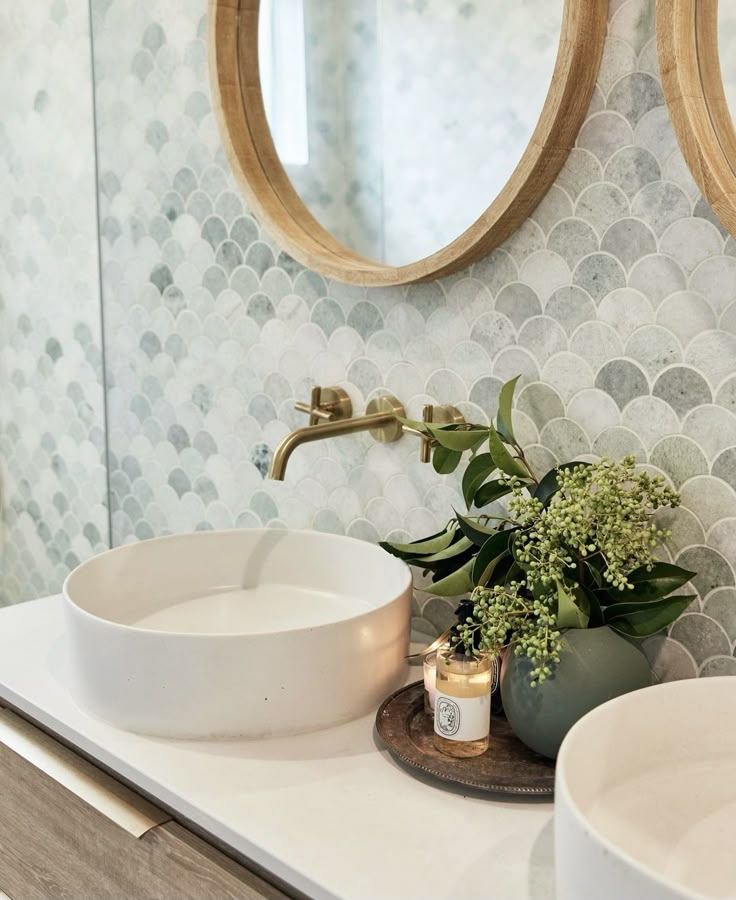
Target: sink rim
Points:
(77, 609)
(562, 789)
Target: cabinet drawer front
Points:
(69, 831)
(121, 805)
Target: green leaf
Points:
(452, 437)
(455, 549)
(487, 493)
(458, 582)
(548, 486)
(496, 547)
(479, 468)
(503, 459)
(505, 403)
(433, 544)
(414, 424)
(660, 581)
(472, 529)
(594, 606)
(573, 609)
(594, 567)
(445, 461)
(640, 620)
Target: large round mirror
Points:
(697, 46)
(398, 122)
(385, 142)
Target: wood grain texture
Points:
(123, 806)
(54, 846)
(687, 45)
(238, 104)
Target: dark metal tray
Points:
(507, 767)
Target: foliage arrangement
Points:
(573, 549)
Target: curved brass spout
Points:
(384, 424)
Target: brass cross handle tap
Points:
(331, 415)
(328, 404)
(437, 415)
(425, 446)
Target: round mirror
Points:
(385, 142)
(696, 43)
(397, 123)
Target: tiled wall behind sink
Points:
(52, 476)
(616, 300)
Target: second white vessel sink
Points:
(247, 633)
(645, 796)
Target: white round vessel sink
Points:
(247, 633)
(645, 796)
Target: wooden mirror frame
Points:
(687, 45)
(238, 105)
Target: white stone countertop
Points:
(330, 813)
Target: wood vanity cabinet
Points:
(68, 832)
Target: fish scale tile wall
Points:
(616, 301)
(53, 507)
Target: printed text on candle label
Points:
(462, 718)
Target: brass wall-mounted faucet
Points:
(330, 414)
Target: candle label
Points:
(462, 718)
(495, 674)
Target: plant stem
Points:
(522, 457)
(486, 517)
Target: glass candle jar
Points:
(462, 712)
(430, 677)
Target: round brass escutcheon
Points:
(447, 415)
(336, 401)
(392, 431)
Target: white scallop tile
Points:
(654, 132)
(691, 241)
(709, 498)
(594, 410)
(715, 279)
(567, 374)
(713, 427)
(542, 337)
(625, 310)
(686, 314)
(545, 271)
(632, 22)
(714, 354)
(619, 58)
(616, 442)
(722, 537)
(650, 418)
(596, 343)
(603, 134)
(654, 348)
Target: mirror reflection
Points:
(727, 51)
(399, 121)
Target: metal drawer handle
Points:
(110, 798)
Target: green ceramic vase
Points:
(596, 664)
